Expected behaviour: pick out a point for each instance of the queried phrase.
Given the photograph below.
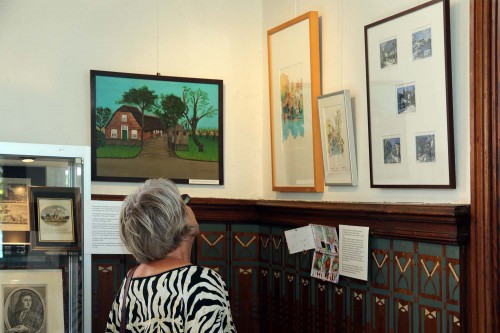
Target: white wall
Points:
(48, 47)
(343, 67)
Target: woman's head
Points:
(154, 220)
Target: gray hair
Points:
(153, 220)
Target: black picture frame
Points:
(55, 218)
(409, 97)
(182, 136)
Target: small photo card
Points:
(325, 266)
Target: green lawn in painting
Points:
(118, 152)
(210, 150)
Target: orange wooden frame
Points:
(313, 44)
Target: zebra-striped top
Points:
(185, 299)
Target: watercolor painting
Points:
(292, 103)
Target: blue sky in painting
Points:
(109, 90)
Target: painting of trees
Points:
(197, 108)
(147, 126)
(143, 98)
(170, 110)
(102, 116)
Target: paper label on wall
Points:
(354, 251)
(104, 230)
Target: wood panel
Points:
(244, 240)
(482, 275)
(432, 223)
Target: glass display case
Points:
(42, 193)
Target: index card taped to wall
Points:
(300, 239)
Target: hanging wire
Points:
(341, 30)
(157, 38)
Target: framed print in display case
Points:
(14, 208)
(152, 126)
(55, 218)
(32, 299)
(294, 85)
(337, 137)
(410, 111)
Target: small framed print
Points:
(392, 150)
(410, 111)
(406, 98)
(14, 209)
(388, 52)
(55, 222)
(337, 137)
(421, 42)
(32, 300)
(425, 148)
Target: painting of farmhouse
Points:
(147, 126)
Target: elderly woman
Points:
(167, 293)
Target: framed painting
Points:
(294, 86)
(151, 126)
(55, 218)
(32, 298)
(337, 137)
(14, 208)
(410, 111)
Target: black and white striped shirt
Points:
(187, 299)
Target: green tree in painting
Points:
(171, 110)
(102, 116)
(143, 98)
(197, 104)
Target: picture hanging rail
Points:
(294, 86)
(151, 126)
(410, 111)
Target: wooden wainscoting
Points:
(416, 261)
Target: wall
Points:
(343, 67)
(47, 49)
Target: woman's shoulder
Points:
(203, 271)
(201, 274)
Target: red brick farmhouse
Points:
(125, 127)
